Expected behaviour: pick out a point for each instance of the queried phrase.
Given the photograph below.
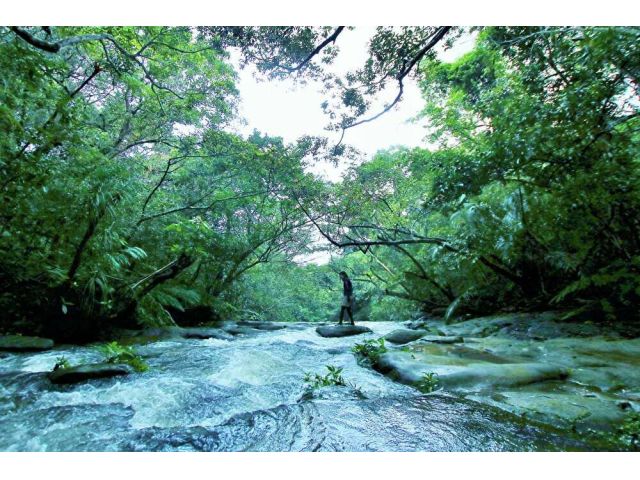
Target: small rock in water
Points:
(18, 343)
(402, 336)
(624, 405)
(202, 333)
(341, 330)
(337, 351)
(88, 372)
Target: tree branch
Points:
(438, 35)
(330, 39)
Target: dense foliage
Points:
(126, 200)
(529, 196)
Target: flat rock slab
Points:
(18, 343)
(342, 330)
(88, 372)
(402, 336)
(560, 408)
(403, 367)
(442, 340)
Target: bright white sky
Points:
(284, 109)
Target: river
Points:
(246, 394)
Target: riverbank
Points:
(581, 377)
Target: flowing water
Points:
(246, 394)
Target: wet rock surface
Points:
(534, 365)
(474, 376)
(446, 340)
(218, 391)
(88, 372)
(267, 326)
(204, 333)
(402, 336)
(19, 343)
(342, 330)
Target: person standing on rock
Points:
(347, 297)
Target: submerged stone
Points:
(171, 333)
(402, 336)
(341, 330)
(204, 333)
(443, 340)
(267, 326)
(88, 372)
(19, 343)
(239, 330)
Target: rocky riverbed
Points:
(515, 382)
(534, 365)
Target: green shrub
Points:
(61, 363)
(333, 377)
(116, 353)
(428, 383)
(369, 351)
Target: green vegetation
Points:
(332, 378)
(428, 383)
(628, 435)
(369, 351)
(625, 437)
(116, 353)
(61, 363)
(531, 198)
(128, 201)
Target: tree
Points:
(119, 181)
(531, 198)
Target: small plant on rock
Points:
(334, 377)
(116, 353)
(625, 438)
(61, 363)
(428, 383)
(629, 432)
(369, 352)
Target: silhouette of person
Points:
(347, 297)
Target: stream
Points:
(247, 394)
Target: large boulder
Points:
(410, 369)
(341, 330)
(403, 335)
(18, 343)
(88, 372)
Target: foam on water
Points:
(245, 393)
